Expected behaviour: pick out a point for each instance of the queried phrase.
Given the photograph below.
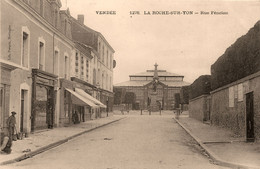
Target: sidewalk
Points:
(224, 147)
(44, 140)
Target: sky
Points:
(183, 44)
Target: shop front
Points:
(43, 100)
(74, 107)
(5, 74)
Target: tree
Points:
(119, 96)
(177, 100)
(130, 98)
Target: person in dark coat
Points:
(11, 122)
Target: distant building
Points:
(154, 88)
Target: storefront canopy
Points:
(86, 95)
(83, 99)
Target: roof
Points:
(93, 31)
(83, 48)
(141, 83)
(133, 83)
(161, 73)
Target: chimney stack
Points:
(81, 19)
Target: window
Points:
(110, 84)
(107, 81)
(107, 58)
(103, 54)
(77, 63)
(231, 96)
(111, 61)
(94, 76)
(65, 27)
(102, 81)
(82, 66)
(87, 69)
(41, 56)
(56, 63)
(55, 18)
(98, 77)
(240, 92)
(25, 50)
(66, 67)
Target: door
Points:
(22, 111)
(50, 107)
(1, 110)
(250, 116)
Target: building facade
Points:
(36, 49)
(46, 76)
(154, 89)
(103, 58)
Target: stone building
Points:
(35, 54)
(103, 59)
(39, 76)
(154, 88)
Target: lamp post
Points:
(107, 106)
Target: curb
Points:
(213, 156)
(55, 144)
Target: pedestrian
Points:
(74, 117)
(11, 122)
(6, 145)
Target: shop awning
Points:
(86, 95)
(82, 99)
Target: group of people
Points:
(9, 135)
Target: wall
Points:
(198, 108)
(21, 80)
(234, 118)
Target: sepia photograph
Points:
(130, 84)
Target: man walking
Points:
(11, 122)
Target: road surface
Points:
(137, 142)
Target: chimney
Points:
(81, 19)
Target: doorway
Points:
(22, 110)
(250, 117)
